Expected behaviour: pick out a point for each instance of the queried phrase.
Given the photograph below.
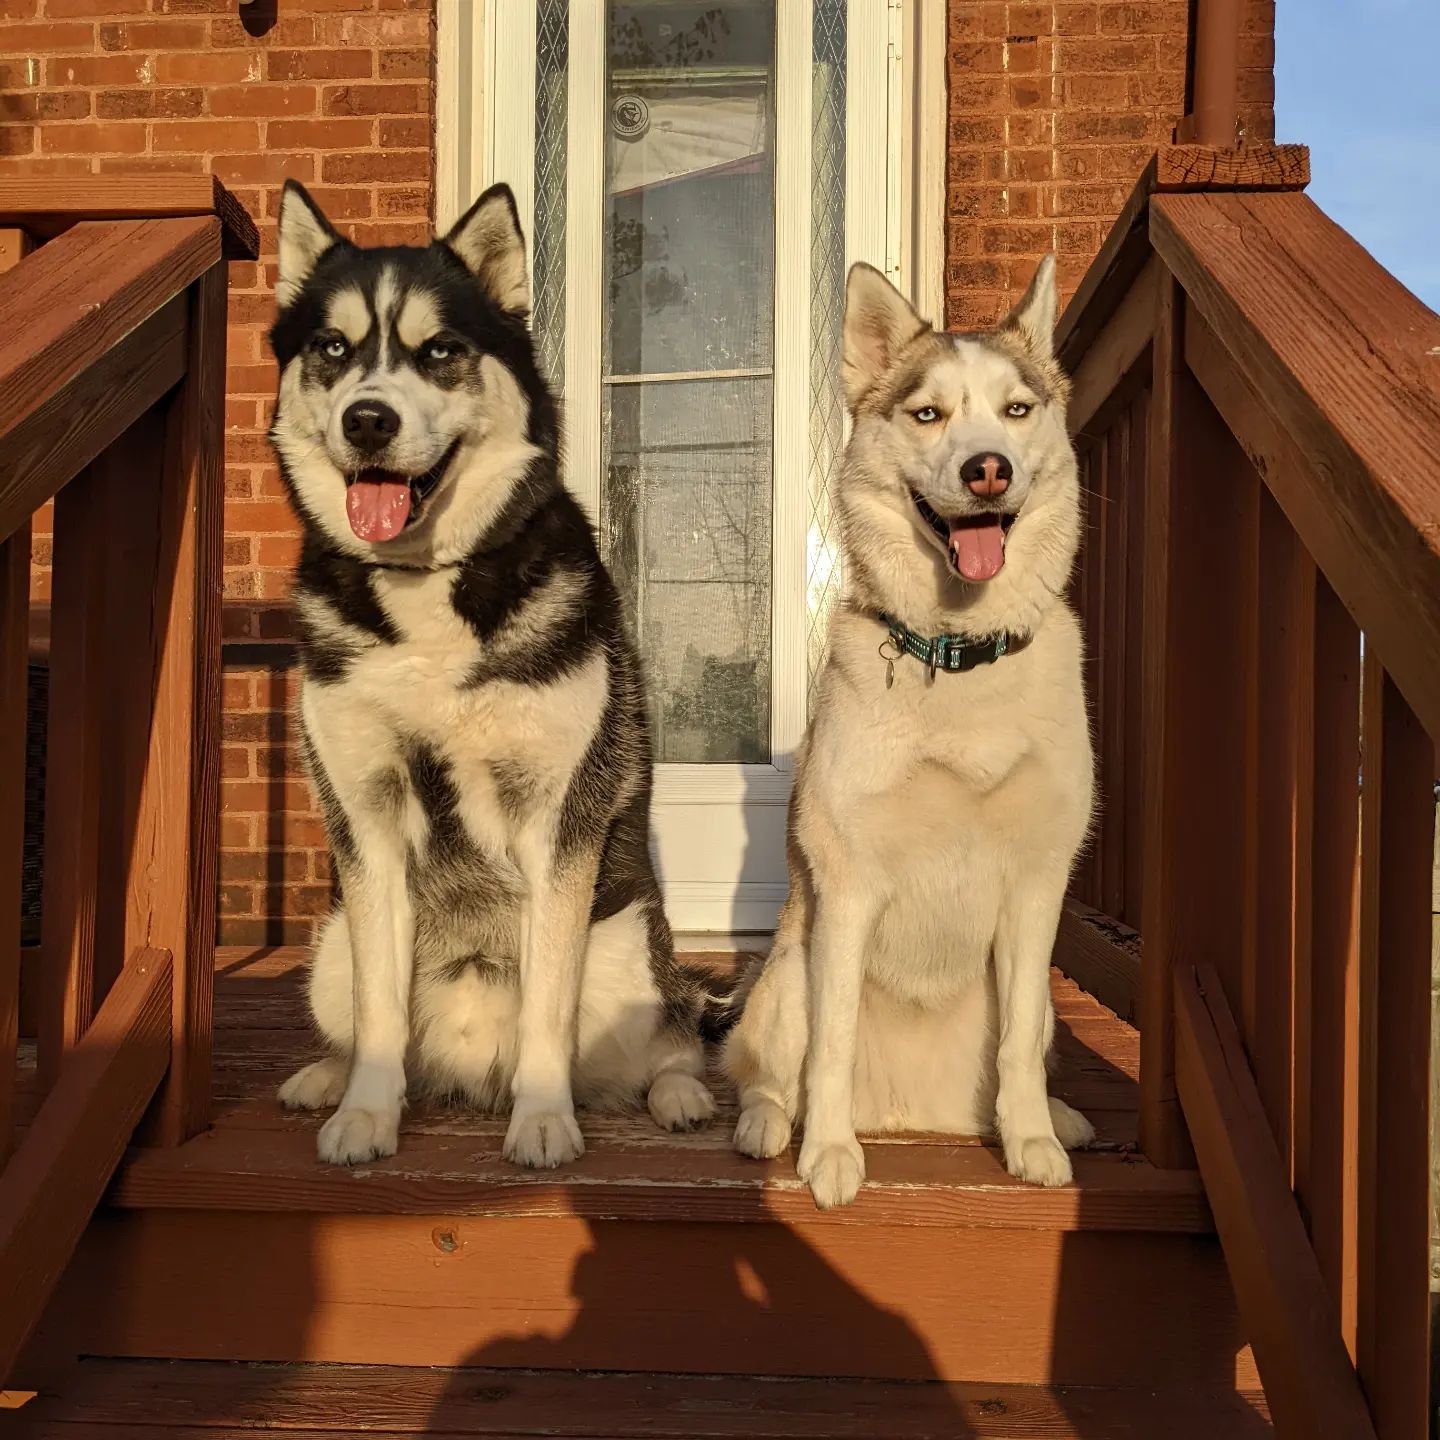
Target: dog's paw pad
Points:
(763, 1130)
(1040, 1160)
(680, 1102)
(834, 1173)
(1072, 1129)
(317, 1087)
(543, 1141)
(353, 1136)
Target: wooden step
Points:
(653, 1252)
(258, 1157)
(120, 1400)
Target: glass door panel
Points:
(687, 342)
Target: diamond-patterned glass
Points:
(552, 65)
(827, 309)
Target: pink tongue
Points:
(377, 508)
(978, 550)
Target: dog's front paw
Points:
(680, 1102)
(317, 1087)
(352, 1136)
(763, 1130)
(1040, 1159)
(833, 1171)
(543, 1140)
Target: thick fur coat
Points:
(472, 711)
(935, 816)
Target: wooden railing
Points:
(112, 364)
(1257, 407)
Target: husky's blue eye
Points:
(437, 350)
(1018, 409)
(926, 414)
(335, 348)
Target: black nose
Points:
(370, 425)
(988, 474)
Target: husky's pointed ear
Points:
(488, 239)
(304, 236)
(1034, 317)
(879, 323)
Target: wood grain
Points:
(15, 245)
(1243, 167)
(1100, 955)
(1126, 248)
(1121, 257)
(1200, 584)
(93, 410)
(75, 299)
(262, 1157)
(14, 620)
(47, 207)
(74, 756)
(883, 1301)
(1115, 351)
(170, 900)
(1397, 817)
(1277, 872)
(384, 1400)
(1309, 1382)
(1343, 359)
(54, 1180)
(636, 1177)
(1326, 1176)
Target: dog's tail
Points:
(722, 998)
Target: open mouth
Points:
(381, 503)
(975, 544)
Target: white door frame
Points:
(490, 47)
(467, 130)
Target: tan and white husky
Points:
(945, 783)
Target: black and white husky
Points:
(472, 711)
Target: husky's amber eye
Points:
(925, 415)
(1018, 409)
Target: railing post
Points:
(1200, 553)
(14, 628)
(74, 771)
(14, 636)
(172, 875)
(1397, 830)
(1162, 1126)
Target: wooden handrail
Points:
(44, 208)
(92, 339)
(112, 392)
(56, 1177)
(1257, 414)
(1335, 397)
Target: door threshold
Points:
(723, 942)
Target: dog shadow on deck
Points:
(754, 1302)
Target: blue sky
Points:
(1356, 81)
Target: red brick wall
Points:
(337, 93)
(1054, 109)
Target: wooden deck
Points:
(260, 1157)
(127, 1400)
(656, 1253)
